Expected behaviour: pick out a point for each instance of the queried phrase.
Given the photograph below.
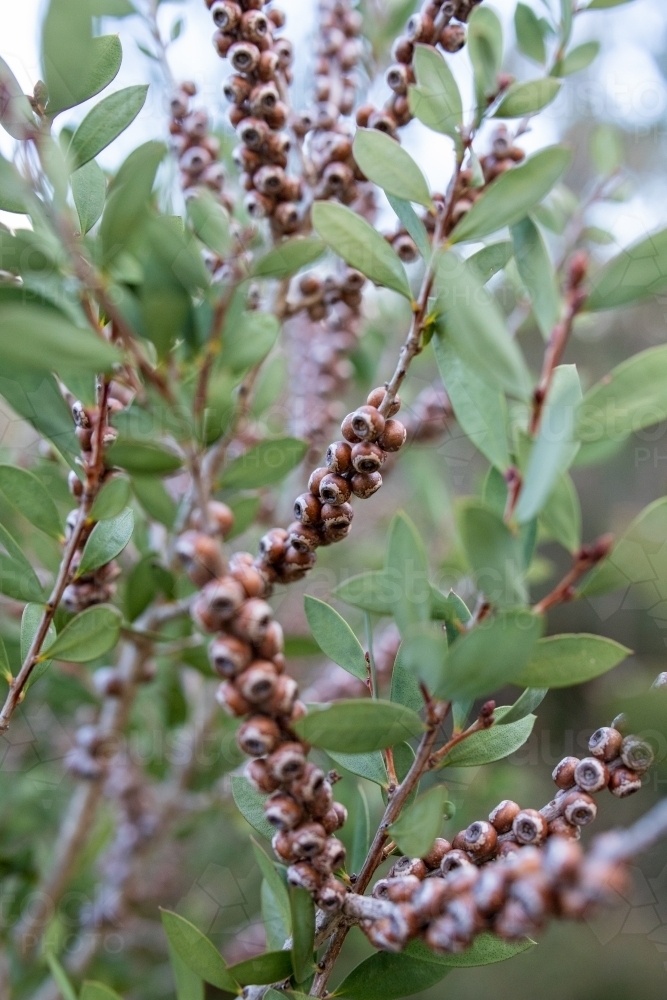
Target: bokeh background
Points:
(204, 866)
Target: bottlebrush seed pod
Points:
(226, 15)
(347, 429)
(454, 859)
(403, 889)
(252, 620)
(331, 896)
(334, 489)
(258, 736)
(255, 26)
(504, 815)
(200, 556)
(316, 477)
(286, 216)
(453, 37)
(403, 50)
(258, 683)
(333, 819)
(624, 781)
(480, 839)
(307, 509)
(253, 132)
(591, 774)
(563, 773)
(302, 537)
(258, 206)
(407, 866)
(259, 776)
(429, 898)
(331, 532)
(217, 603)
(253, 580)
(283, 812)
(559, 827)
(288, 763)
(237, 89)
(367, 457)
(263, 98)
(393, 436)
(283, 845)
(337, 516)
(244, 57)
(529, 827)
(194, 160)
(282, 700)
(74, 484)
(331, 857)
(229, 656)
(322, 802)
(365, 484)
(490, 889)
(398, 78)
(562, 859)
(303, 875)
(231, 700)
(338, 459)
(308, 840)
(436, 854)
(222, 43)
(269, 180)
(273, 544)
(405, 248)
(273, 642)
(637, 754)
(283, 49)
(220, 518)
(579, 808)
(383, 121)
(308, 784)
(296, 560)
(605, 743)
(367, 423)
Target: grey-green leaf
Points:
(302, 909)
(39, 339)
(629, 398)
(413, 224)
(198, 953)
(527, 701)
(89, 191)
(489, 745)
(143, 457)
(529, 33)
(210, 221)
(494, 553)
(276, 884)
(358, 725)
(106, 541)
(637, 558)
(577, 59)
(373, 591)
(537, 273)
(360, 246)
(24, 491)
(436, 100)
(16, 116)
(60, 977)
(563, 660)
(636, 273)
(407, 568)
(92, 990)
(560, 517)
(271, 967)
(524, 99)
(289, 257)
(486, 949)
(385, 976)
(105, 122)
(485, 48)
(264, 464)
(335, 637)
(107, 56)
(67, 51)
(111, 500)
(491, 258)
(420, 823)
(17, 577)
(387, 164)
(88, 635)
(366, 765)
(251, 804)
(404, 686)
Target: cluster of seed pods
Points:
(197, 151)
(510, 872)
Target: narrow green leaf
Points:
(605, 4)
(537, 273)
(89, 187)
(361, 832)
(142, 457)
(485, 48)
(106, 59)
(638, 272)
(526, 703)
(492, 258)
(524, 99)
(564, 660)
(264, 464)
(88, 635)
(606, 149)
(16, 116)
(387, 164)
(335, 637)
(494, 553)
(424, 653)
(210, 221)
(358, 725)
(275, 929)
(251, 805)
(112, 8)
(436, 100)
(38, 339)
(17, 577)
(105, 122)
(111, 500)
(385, 976)
(418, 825)
(248, 340)
(129, 197)
(106, 541)
(303, 932)
(413, 224)
(404, 686)
(25, 493)
(67, 51)
(577, 59)
(289, 257)
(373, 591)
(560, 518)
(98, 991)
(189, 986)
(35, 397)
(30, 621)
(513, 194)
(154, 498)
(60, 977)
(407, 566)
(489, 745)
(530, 33)
(638, 557)
(631, 397)
(199, 954)
(450, 609)
(275, 883)
(360, 246)
(365, 765)
(272, 967)
(486, 949)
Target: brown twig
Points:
(586, 558)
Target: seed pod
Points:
(218, 602)
(402, 889)
(236, 89)
(637, 754)
(405, 248)
(338, 516)
(108, 682)
(282, 700)
(453, 37)
(287, 763)
(490, 889)
(562, 859)
(559, 827)
(257, 773)
(480, 839)
(347, 430)
(529, 827)
(408, 866)
(252, 620)
(322, 802)
(308, 840)
(303, 875)
(254, 581)
(244, 57)
(231, 700)
(229, 656)
(334, 818)
(591, 774)
(403, 50)
(377, 396)
(283, 812)
(222, 43)
(579, 808)
(364, 485)
(258, 683)
(226, 15)
(331, 895)
(258, 736)
(307, 786)
(420, 28)
(504, 815)
(334, 489)
(258, 206)
(270, 180)
(436, 854)
(367, 457)
(624, 781)
(273, 643)
(338, 458)
(563, 773)
(302, 537)
(393, 437)
(331, 857)
(454, 859)
(273, 544)
(283, 845)
(307, 509)
(200, 556)
(367, 423)
(398, 78)
(605, 743)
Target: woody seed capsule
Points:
(367, 423)
(258, 682)
(258, 736)
(636, 754)
(252, 620)
(579, 808)
(229, 656)
(624, 781)
(591, 774)
(283, 812)
(529, 827)
(563, 773)
(287, 763)
(504, 815)
(231, 700)
(367, 457)
(331, 896)
(304, 876)
(307, 509)
(480, 838)
(605, 743)
(436, 854)
(257, 773)
(334, 489)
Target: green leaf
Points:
(530, 33)
(424, 652)
(16, 116)
(387, 164)
(486, 949)
(107, 56)
(67, 51)
(264, 464)
(37, 399)
(245, 510)
(638, 272)
(523, 706)
(289, 257)
(485, 48)
(404, 686)
(106, 541)
(112, 8)
(89, 191)
(471, 318)
(638, 556)
(210, 221)
(25, 493)
(491, 259)
(606, 149)
(564, 660)
(494, 553)
(553, 449)
(513, 194)
(360, 246)
(17, 577)
(490, 655)
(358, 725)
(30, 622)
(98, 991)
(480, 411)
(373, 591)
(418, 825)
(129, 197)
(249, 340)
(272, 967)
(111, 500)
(360, 841)
(537, 273)
(560, 517)
(450, 609)
(631, 397)
(199, 954)
(385, 976)
(492, 744)
(275, 883)
(413, 224)
(15, 195)
(105, 122)
(38, 339)
(303, 932)
(524, 99)
(178, 252)
(153, 497)
(605, 4)
(88, 635)
(251, 805)
(577, 59)
(365, 765)
(188, 985)
(60, 977)
(436, 100)
(142, 457)
(275, 929)
(407, 567)
(335, 637)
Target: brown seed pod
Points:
(237, 89)
(579, 808)
(334, 489)
(229, 656)
(504, 815)
(282, 700)
(252, 620)
(316, 477)
(258, 683)
(402, 889)
(307, 786)
(405, 248)
(480, 839)
(367, 457)
(331, 857)
(218, 603)
(562, 859)
(307, 509)
(231, 700)
(257, 773)
(273, 544)
(338, 459)
(287, 763)
(436, 854)
(364, 485)
(393, 437)
(529, 827)
(337, 516)
(226, 15)
(347, 429)
(200, 556)
(222, 43)
(559, 827)
(303, 537)
(273, 643)
(303, 875)
(244, 57)
(624, 781)
(407, 866)
(591, 774)
(308, 840)
(334, 818)
(454, 859)
(258, 736)
(270, 180)
(331, 895)
(283, 845)
(637, 754)
(490, 889)
(283, 812)
(453, 37)
(563, 773)
(605, 743)
(376, 398)
(367, 423)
